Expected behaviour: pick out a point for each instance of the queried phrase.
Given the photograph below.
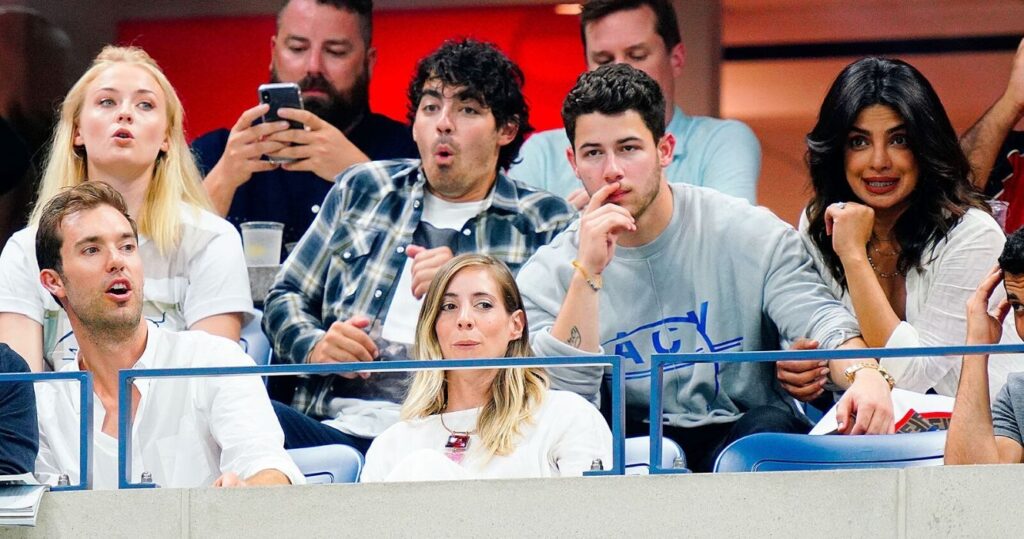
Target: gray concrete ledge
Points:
(923, 502)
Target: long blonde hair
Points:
(176, 178)
(515, 392)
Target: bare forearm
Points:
(837, 366)
(267, 478)
(578, 323)
(227, 325)
(25, 337)
(982, 141)
(220, 190)
(971, 438)
(875, 315)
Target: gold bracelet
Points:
(851, 372)
(594, 281)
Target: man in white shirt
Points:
(187, 432)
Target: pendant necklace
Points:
(458, 442)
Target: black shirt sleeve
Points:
(19, 431)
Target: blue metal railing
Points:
(127, 376)
(84, 379)
(659, 361)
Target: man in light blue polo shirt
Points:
(721, 154)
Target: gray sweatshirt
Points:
(723, 276)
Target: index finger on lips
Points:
(602, 194)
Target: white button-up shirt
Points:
(187, 431)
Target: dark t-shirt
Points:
(15, 157)
(294, 198)
(1006, 178)
(19, 431)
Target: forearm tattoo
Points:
(574, 339)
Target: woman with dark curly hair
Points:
(894, 224)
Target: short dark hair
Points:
(1012, 259)
(665, 23)
(943, 193)
(362, 8)
(489, 76)
(84, 196)
(614, 89)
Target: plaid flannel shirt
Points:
(352, 255)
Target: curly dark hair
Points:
(1012, 258)
(614, 89)
(665, 17)
(943, 192)
(488, 76)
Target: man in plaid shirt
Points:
(351, 289)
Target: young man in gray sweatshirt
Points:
(651, 267)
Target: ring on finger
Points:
(840, 205)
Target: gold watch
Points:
(851, 372)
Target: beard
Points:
(116, 325)
(340, 109)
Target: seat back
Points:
(638, 454)
(254, 341)
(328, 463)
(770, 452)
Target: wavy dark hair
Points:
(614, 89)
(943, 192)
(488, 76)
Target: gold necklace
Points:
(880, 273)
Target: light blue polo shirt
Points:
(721, 154)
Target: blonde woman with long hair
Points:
(483, 423)
(122, 123)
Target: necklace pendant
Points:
(457, 445)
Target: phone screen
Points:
(278, 95)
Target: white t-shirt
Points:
(404, 310)
(203, 276)
(566, 435)
(187, 431)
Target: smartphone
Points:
(278, 95)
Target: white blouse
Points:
(936, 307)
(566, 435)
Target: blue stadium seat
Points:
(638, 454)
(774, 452)
(254, 342)
(328, 463)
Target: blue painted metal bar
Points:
(84, 379)
(127, 376)
(659, 361)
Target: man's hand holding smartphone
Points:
(242, 157)
(320, 148)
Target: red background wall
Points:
(217, 63)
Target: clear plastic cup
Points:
(999, 211)
(262, 243)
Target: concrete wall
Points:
(922, 502)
